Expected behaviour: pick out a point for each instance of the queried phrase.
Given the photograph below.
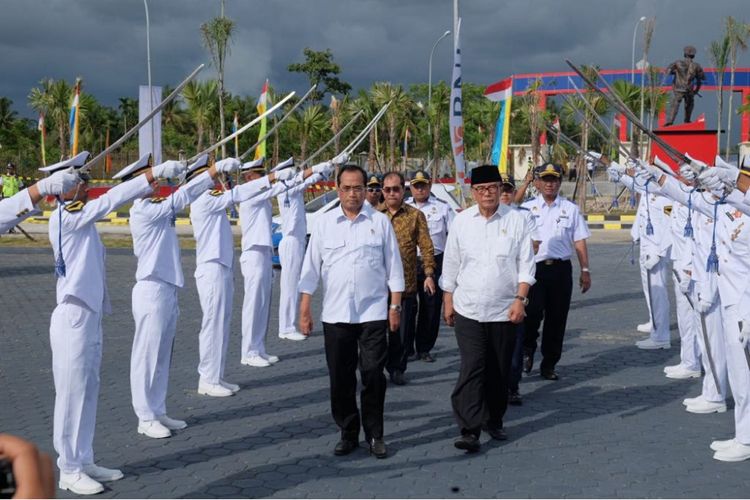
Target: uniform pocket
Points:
(75, 315)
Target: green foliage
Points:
(320, 69)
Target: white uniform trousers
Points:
(215, 291)
(291, 254)
(257, 271)
(659, 298)
(739, 374)
(76, 339)
(644, 284)
(710, 391)
(155, 312)
(689, 327)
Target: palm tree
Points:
(437, 114)
(201, 100)
(217, 35)
(309, 124)
(53, 99)
(719, 52)
(382, 93)
(364, 103)
(737, 32)
(7, 115)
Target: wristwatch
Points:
(524, 300)
(585, 270)
(395, 307)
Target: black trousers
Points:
(429, 310)
(481, 393)
(346, 346)
(549, 300)
(399, 341)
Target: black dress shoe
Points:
(397, 378)
(345, 446)
(550, 375)
(496, 433)
(413, 357)
(514, 398)
(377, 448)
(467, 442)
(528, 361)
(427, 357)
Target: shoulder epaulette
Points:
(157, 199)
(519, 207)
(668, 209)
(216, 192)
(439, 199)
(23, 212)
(74, 207)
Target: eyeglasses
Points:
(392, 189)
(373, 190)
(491, 189)
(350, 189)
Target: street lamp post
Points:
(148, 62)
(429, 85)
(632, 58)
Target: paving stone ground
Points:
(613, 426)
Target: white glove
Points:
(59, 182)
(322, 168)
(727, 172)
(285, 174)
(703, 305)
(170, 169)
(341, 158)
(614, 174)
(687, 172)
(650, 260)
(685, 281)
(745, 333)
(696, 164)
(643, 175)
(228, 165)
(711, 179)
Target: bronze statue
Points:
(688, 78)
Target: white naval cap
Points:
(284, 164)
(198, 167)
(256, 165)
(134, 168)
(76, 162)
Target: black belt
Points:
(549, 262)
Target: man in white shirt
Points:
(76, 323)
(354, 251)
(158, 278)
(561, 229)
(488, 269)
(439, 219)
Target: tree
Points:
(54, 99)
(737, 32)
(320, 69)
(217, 34)
(382, 93)
(719, 52)
(201, 100)
(364, 103)
(309, 124)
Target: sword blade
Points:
(704, 333)
(650, 299)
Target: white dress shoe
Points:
(706, 407)
(651, 344)
(153, 429)
(682, 373)
(644, 327)
(215, 390)
(172, 423)
(293, 336)
(722, 444)
(672, 368)
(230, 386)
(255, 361)
(692, 401)
(79, 483)
(737, 452)
(270, 358)
(99, 473)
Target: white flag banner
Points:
(145, 136)
(456, 118)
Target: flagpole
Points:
(41, 129)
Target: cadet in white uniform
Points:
(22, 204)
(291, 253)
(256, 263)
(213, 277)
(75, 327)
(159, 276)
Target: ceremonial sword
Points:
(745, 349)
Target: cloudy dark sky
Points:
(104, 40)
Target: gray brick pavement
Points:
(613, 426)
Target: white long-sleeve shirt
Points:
(485, 260)
(558, 226)
(82, 249)
(358, 261)
(208, 214)
(155, 242)
(292, 209)
(15, 209)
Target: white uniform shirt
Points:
(358, 261)
(292, 209)
(208, 214)
(439, 219)
(155, 243)
(15, 209)
(558, 226)
(82, 249)
(256, 216)
(485, 260)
